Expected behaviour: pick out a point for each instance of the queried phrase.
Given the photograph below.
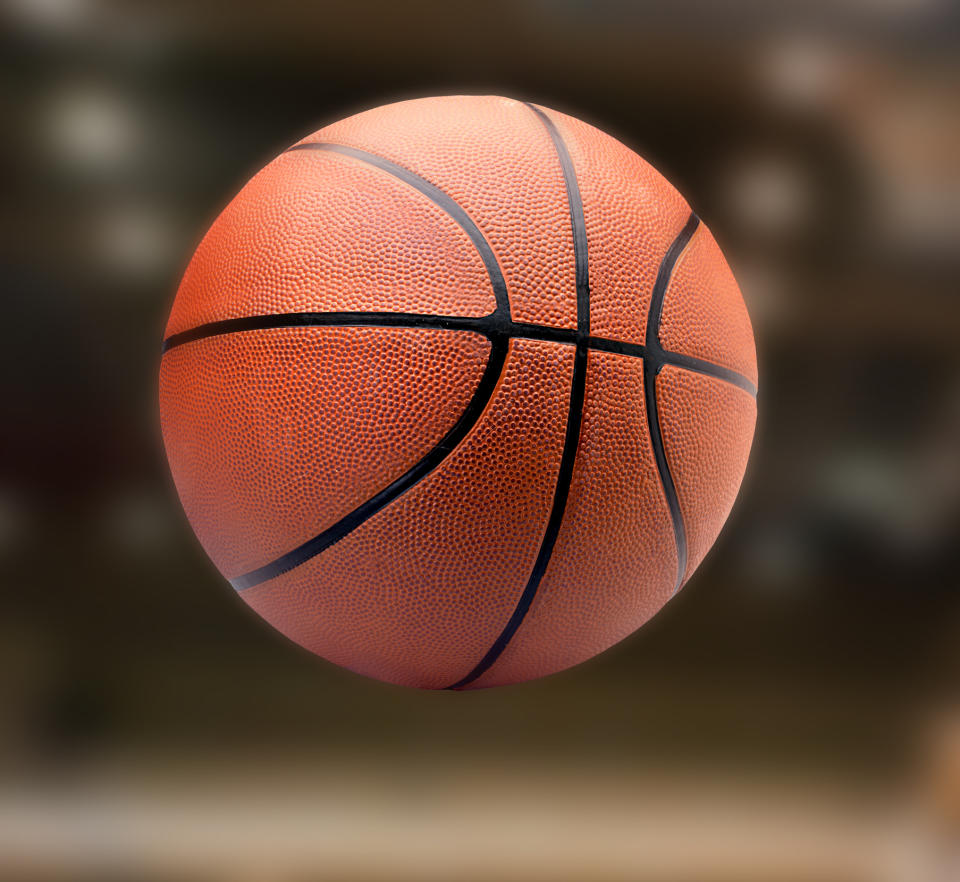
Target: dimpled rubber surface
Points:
(318, 232)
(625, 571)
(418, 592)
(273, 435)
(703, 312)
(707, 427)
(416, 477)
(632, 215)
(490, 155)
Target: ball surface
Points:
(458, 392)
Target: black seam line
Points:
(688, 362)
(651, 368)
(574, 415)
(481, 324)
(446, 445)
(439, 198)
(490, 325)
(486, 325)
(659, 357)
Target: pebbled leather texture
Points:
(276, 434)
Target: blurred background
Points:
(793, 715)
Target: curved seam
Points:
(499, 328)
(574, 414)
(710, 369)
(651, 368)
(440, 199)
(470, 416)
(480, 324)
(499, 347)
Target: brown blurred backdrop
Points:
(792, 714)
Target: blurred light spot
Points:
(769, 195)
(138, 240)
(137, 523)
(799, 73)
(909, 143)
(91, 130)
(882, 495)
(777, 557)
(765, 292)
(922, 216)
(862, 485)
(136, 33)
(53, 17)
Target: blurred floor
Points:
(358, 821)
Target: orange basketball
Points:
(458, 392)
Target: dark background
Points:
(806, 678)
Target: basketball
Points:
(458, 392)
